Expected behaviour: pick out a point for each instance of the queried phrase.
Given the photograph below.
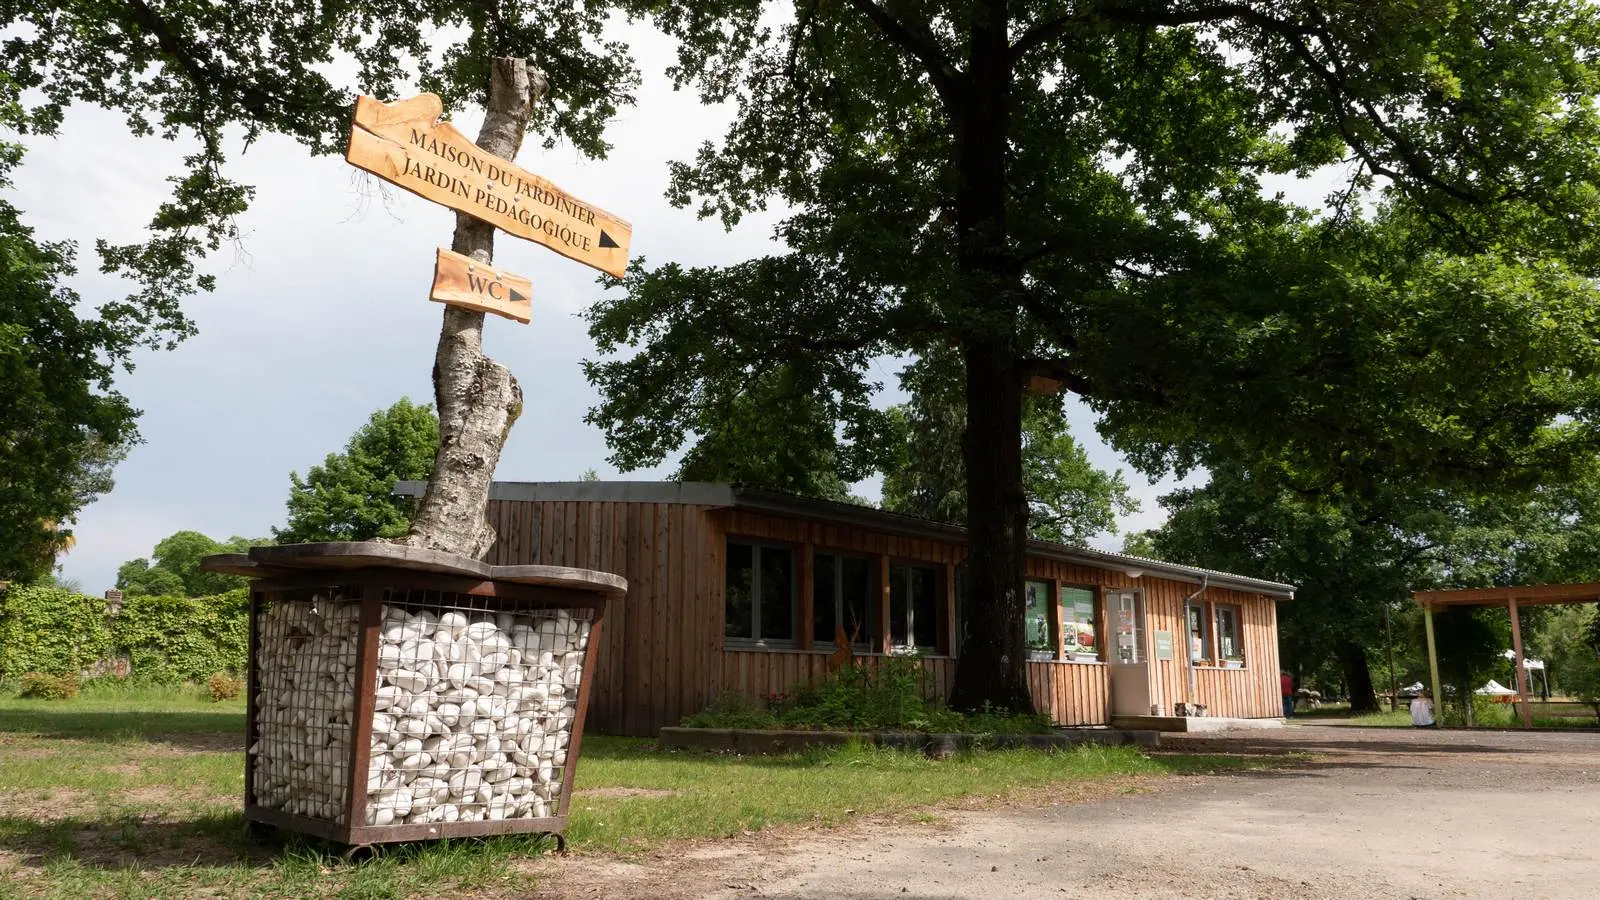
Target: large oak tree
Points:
(1086, 190)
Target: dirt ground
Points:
(1376, 813)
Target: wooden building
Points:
(737, 589)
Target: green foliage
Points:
(1470, 641)
(177, 567)
(213, 75)
(50, 630)
(350, 497)
(62, 426)
(38, 686)
(891, 697)
(1082, 190)
(1069, 500)
(169, 639)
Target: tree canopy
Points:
(350, 496)
(216, 77)
(1354, 557)
(63, 427)
(174, 567)
(1085, 190)
(1069, 500)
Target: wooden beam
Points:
(1522, 672)
(1433, 668)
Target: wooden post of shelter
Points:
(1522, 672)
(1433, 667)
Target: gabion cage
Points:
(392, 704)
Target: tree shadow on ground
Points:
(134, 841)
(221, 730)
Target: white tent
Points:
(1494, 689)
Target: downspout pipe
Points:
(1188, 655)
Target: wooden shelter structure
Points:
(735, 590)
(1512, 598)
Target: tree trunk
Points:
(1353, 660)
(990, 671)
(477, 399)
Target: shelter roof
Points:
(1525, 595)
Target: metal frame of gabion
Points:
(431, 693)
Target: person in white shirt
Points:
(1422, 710)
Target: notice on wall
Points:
(405, 144)
(1164, 645)
(463, 281)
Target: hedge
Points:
(50, 630)
(171, 639)
(166, 639)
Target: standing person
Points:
(1422, 710)
(1286, 684)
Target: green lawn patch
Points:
(139, 794)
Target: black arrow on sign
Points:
(518, 298)
(606, 240)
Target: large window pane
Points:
(899, 603)
(856, 582)
(739, 615)
(1078, 624)
(925, 605)
(1197, 633)
(1036, 618)
(777, 593)
(824, 596)
(1228, 646)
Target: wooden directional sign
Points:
(463, 281)
(406, 144)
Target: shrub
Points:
(893, 696)
(224, 687)
(50, 630)
(42, 686)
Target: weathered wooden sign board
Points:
(463, 281)
(405, 144)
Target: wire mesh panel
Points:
(474, 708)
(305, 677)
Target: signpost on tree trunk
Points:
(477, 398)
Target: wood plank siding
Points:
(662, 653)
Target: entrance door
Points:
(1127, 657)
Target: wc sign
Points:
(463, 281)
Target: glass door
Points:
(1129, 669)
(1127, 624)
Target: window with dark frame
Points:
(916, 607)
(1198, 633)
(1080, 618)
(1036, 620)
(1229, 647)
(842, 593)
(760, 592)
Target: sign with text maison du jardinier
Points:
(463, 281)
(405, 144)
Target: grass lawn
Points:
(1545, 714)
(137, 793)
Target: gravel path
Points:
(1379, 813)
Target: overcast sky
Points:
(323, 316)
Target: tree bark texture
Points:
(477, 398)
(1357, 677)
(991, 670)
